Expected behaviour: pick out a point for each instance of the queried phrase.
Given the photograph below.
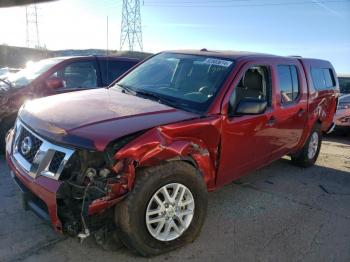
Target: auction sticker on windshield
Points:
(218, 62)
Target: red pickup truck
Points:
(136, 160)
(54, 76)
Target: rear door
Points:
(291, 106)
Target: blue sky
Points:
(311, 28)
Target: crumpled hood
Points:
(93, 118)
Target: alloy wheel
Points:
(170, 212)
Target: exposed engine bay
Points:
(90, 181)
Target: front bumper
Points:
(42, 194)
(39, 194)
(30, 201)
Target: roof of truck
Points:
(122, 58)
(233, 55)
(221, 53)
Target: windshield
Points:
(27, 75)
(189, 82)
(344, 84)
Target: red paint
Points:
(43, 187)
(223, 148)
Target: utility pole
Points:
(32, 29)
(131, 30)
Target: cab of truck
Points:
(136, 164)
(54, 76)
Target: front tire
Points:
(165, 210)
(309, 153)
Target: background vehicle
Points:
(344, 83)
(342, 116)
(6, 71)
(138, 161)
(54, 76)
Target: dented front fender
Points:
(196, 141)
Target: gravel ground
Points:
(279, 213)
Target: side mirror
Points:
(251, 106)
(54, 83)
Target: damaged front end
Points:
(77, 188)
(81, 187)
(92, 183)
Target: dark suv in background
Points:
(54, 76)
(344, 83)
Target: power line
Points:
(232, 3)
(131, 30)
(32, 27)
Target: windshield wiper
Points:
(145, 94)
(127, 89)
(152, 96)
(159, 98)
(6, 82)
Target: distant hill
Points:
(13, 56)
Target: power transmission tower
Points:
(131, 30)
(32, 29)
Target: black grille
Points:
(56, 161)
(36, 143)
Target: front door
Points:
(247, 140)
(78, 75)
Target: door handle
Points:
(271, 121)
(301, 112)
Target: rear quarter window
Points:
(322, 78)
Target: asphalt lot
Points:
(279, 213)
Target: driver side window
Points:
(78, 75)
(255, 84)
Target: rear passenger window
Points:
(322, 78)
(288, 83)
(111, 70)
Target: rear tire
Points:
(176, 223)
(309, 153)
